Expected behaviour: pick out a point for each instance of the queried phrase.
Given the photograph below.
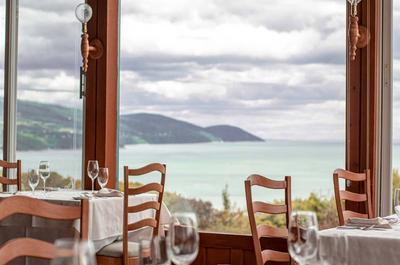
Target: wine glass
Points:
(183, 238)
(93, 171)
(44, 171)
(33, 179)
(66, 252)
(102, 178)
(70, 251)
(333, 249)
(154, 251)
(303, 236)
(159, 251)
(397, 202)
(145, 252)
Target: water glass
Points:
(102, 178)
(93, 171)
(44, 171)
(333, 249)
(145, 252)
(33, 179)
(183, 238)
(70, 251)
(397, 202)
(303, 236)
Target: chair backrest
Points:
(254, 207)
(29, 247)
(344, 195)
(157, 187)
(4, 180)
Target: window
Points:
(219, 91)
(2, 47)
(396, 95)
(49, 111)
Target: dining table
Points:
(105, 219)
(368, 245)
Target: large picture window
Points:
(219, 91)
(49, 111)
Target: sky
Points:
(275, 68)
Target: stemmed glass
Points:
(44, 171)
(102, 178)
(154, 252)
(303, 236)
(93, 171)
(33, 179)
(397, 202)
(183, 238)
(70, 251)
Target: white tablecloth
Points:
(368, 247)
(105, 214)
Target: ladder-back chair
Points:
(126, 252)
(4, 180)
(30, 247)
(259, 231)
(344, 195)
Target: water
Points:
(203, 170)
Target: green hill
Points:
(48, 126)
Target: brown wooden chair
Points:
(125, 252)
(259, 231)
(30, 247)
(6, 181)
(343, 195)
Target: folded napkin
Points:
(364, 222)
(108, 193)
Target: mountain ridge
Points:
(43, 126)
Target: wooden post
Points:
(101, 102)
(361, 107)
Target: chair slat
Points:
(147, 169)
(39, 208)
(350, 214)
(142, 223)
(27, 247)
(263, 207)
(7, 181)
(277, 256)
(145, 188)
(268, 231)
(144, 206)
(265, 182)
(351, 196)
(344, 174)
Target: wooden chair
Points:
(258, 231)
(6, 181)
(30, 247)
(343, 195)
(125, 252)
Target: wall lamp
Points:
(359, 36)
(90, 49)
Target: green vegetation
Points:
(230, 219)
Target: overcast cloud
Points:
(275, 68)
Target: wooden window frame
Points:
(101, 103)
(364, 99)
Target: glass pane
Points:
(49, 118)
(396, 95)
(2, 47)
(219, 90)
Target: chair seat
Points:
(115, 250)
